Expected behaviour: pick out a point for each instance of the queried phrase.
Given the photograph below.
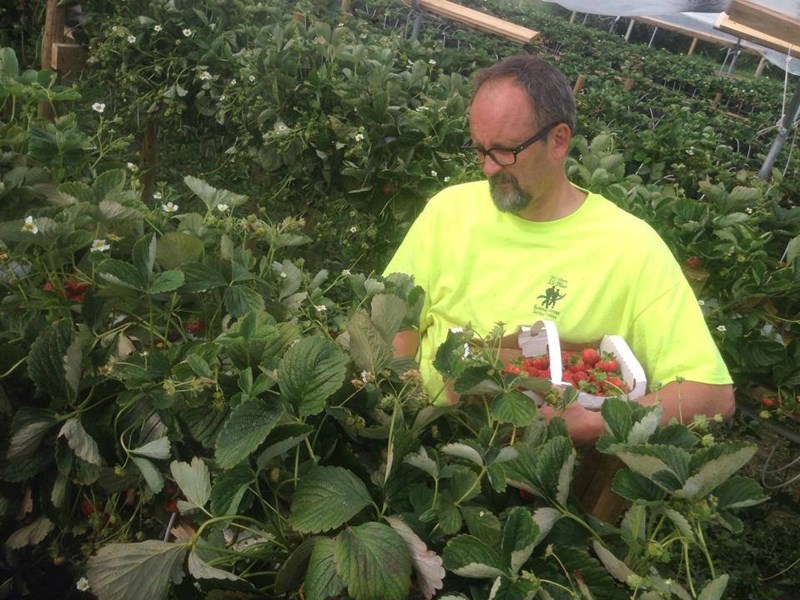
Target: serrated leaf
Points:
(427, 564)
(30, 535)
(73, 358)
(144, 255)
(229, 488)
(240, 300)
(421, 460)
(200, 569)
(202, 190)
(177, 248)
(370, 351)
(339, 491)
(636, 487)
(645, 427)
(28, 427)
(463, 451)
(46, 364)
(467, 556)
(373, 562)
(152, 476)
(193, 480)
(108, 183)
(681, 523)
(199, 277)
(387, 313)
(311, 371)
(111, 210)
(322, 582)
(555, 467)
(282, 439)
(739, 492)
(158, 449)
(244, 430)
(715, 471)
(617, 568)
(514, 407)
(81, 443)
(78, 191)
(519, 537)
(136, 571)
(121, 273)
(166, 281)
(482, 524)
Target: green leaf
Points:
(121, 273)
(617, 568)
(30, 535)
(427, 564)
(177, 248)
(282, 439)
(81, 443)
(482, 524)
(322, 582)
(339, 491)
(200, 569)
(636, 487)
(152, 476)
(519, 537)
(514, 407)
(108, 183)
(311, 371)
(158, 449)
(9, 67)
(644, 428)
(136, 571)
(739, 492)
(649, 460)
(110, 211)
(144, 255)
(467, 556)
(421, 460)
(244, 430)
(199, 277)
(373, 562)
(517, 589)
(202, 190)
(463, 451)
(240, 300)
(388, 312)
(77, 190)
(714, 589)
(47, 364)
(716, 471)
(193, 480)
(370, 351)
(554, 470)
(167, 281)
(229, 488)
(28, 427)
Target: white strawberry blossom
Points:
(98, 107)
(222, 207)
(99, 246)
(205, 76)
(156, 195)
(252, 78)
(30, 225)
(131, 39)
(157, 28)
(82, 584)
(187, 32)
(359, 137)
(722, 328)
(169, 207)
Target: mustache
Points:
(500, 178)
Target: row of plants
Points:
(209, 365)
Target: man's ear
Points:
(559, 139)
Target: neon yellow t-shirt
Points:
(597, 271)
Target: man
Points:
(527, 245)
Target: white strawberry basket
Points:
(542, 338)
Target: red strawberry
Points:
(693, 262)
(608, 365)
(539, 362)
(88, 508)
(590, 356)
(172, 505)
(576, 364)
(511, 370)
(544, 373)
(194, 325)
(580, 376)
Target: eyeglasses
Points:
(506, 157)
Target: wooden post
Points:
(346, 8)
(760, 67)
(717, 98)
(148, 158)
(630, 30)
(692, 47)
(578, 84)
(592, 486)
(53, 34)
(572, 17)
(627, 84)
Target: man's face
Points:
(501, 117)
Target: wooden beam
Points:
(480, 20)
(68, 58)
(728, 25)
(766, 20)
(53, 31)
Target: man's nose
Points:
(490, 167)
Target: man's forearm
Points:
(406, 343)
(682, 400)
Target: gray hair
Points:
(548, 90)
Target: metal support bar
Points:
(630, 30)
(652, 37)
(415, 31)
(783, 133)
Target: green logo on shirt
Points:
(550, 297)
(546, 302)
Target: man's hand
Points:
(679, 400)
(406, 343)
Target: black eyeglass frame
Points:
(516, 150)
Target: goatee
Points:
(507, 194)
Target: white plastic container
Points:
(542, 338)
